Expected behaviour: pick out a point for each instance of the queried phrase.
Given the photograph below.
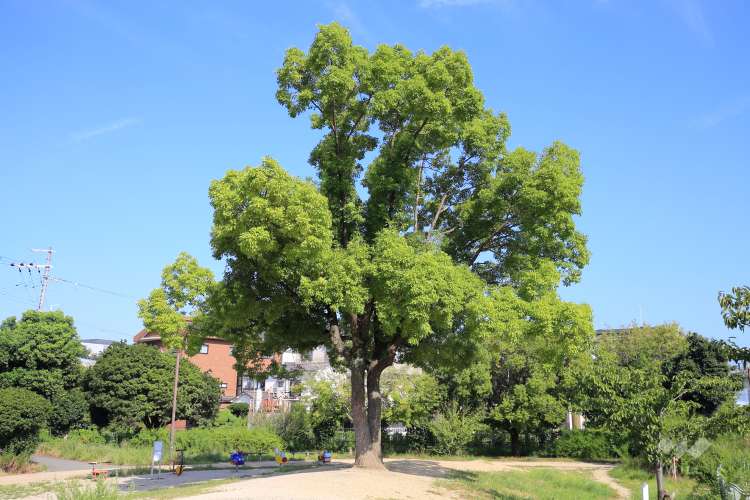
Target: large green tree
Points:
(41, 352)
(439, 255)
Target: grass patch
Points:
(541, 484)
(9, 491)
(633, 477)
(132, 455)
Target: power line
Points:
(94, 288)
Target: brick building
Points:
(272, 394)
(214, 357)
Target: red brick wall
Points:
(220, 362)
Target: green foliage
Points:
(70, 411)
(525, 399)
(221, 441)
(239, 409)
(295, 428)
(410, 397)
(41, 353)
(23, 414)
(130, 387)
(731, 452)
(542, 484)
(457, 249)
(453, 430)
(706, 361)
(735, 307)
(651, 392)
(589, 444)
(640, 346)
(201, 445)
(329, 411)
(184, 288)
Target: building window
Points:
(223, 387)
(204, 349)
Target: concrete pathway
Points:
(59, 464)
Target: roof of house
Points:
(146, 336)
(98, 341)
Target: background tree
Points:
(735, 307)
(457, 236)
(650, 385)
(184, 287)
(23, 414)
(41, 352)
(410, 396)
(525, 401)
(129, 388)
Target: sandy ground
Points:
(405, 478)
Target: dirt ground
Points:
(405, 478)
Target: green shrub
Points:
(295, 428)
(453, 430)
(225, 417)
(147, 437)
(23, 414)
(239, 409)
(218, 442)
(588, 444)
(70, 410)
(86, 436)
(732, 452)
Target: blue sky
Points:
(115, 116)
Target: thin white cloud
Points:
(428, 4)
(726, 112)
(691, 14)
(85, 135)
(349, 18)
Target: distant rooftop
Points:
(98, 341)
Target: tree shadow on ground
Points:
(144, 482)
(427, 468)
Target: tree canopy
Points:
(735, 307)
(130, 387)
(41, 352)
(424, 238)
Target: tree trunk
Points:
(174, 405)
(367, 452)
(660, 492)
(515, 442)
(374, 411)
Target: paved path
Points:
(59, 464)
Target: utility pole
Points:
(45, 276)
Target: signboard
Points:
(158, 448)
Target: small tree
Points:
(129, 388)
(41, 352)
(184, 286)
(631, 388)
(22, 415)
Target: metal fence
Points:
(730, 491)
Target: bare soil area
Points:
(404, 478)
